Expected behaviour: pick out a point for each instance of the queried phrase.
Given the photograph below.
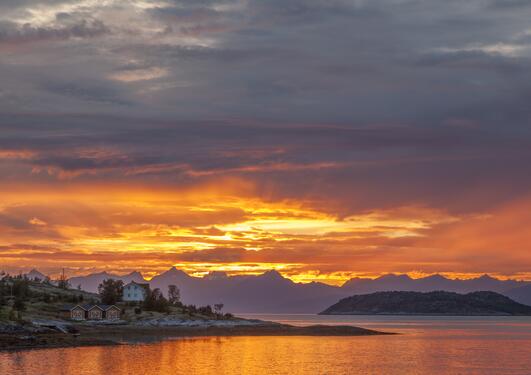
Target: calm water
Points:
(427, 346)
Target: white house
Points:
(134, 292)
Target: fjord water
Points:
(426, 345)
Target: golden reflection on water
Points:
(401, 354)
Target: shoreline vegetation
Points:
(32, 316)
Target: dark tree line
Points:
(15, 288)
(155, 301)
(111, 291)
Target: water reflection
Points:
(502, 347)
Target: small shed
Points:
(91, 312)
(111, 312)
(74, 312)
(94, 312)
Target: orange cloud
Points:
(496, 241)
(225, 225)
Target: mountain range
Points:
(91, 282)
(270, 292)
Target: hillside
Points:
(432, 303)
(40, 300)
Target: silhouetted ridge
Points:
(432, 303)
(271, 292)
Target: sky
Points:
(326, 139)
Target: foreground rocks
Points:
(15, 336)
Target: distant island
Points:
(432, 303)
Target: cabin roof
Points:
(108, 307)
(88, 307)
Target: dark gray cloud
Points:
(509, 4)
(10, 33)
(86, 91)
(460, 166)
(352, 97)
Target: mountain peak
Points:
(134, 273)
(216, 275)
(393, 276)
(134, 276)
(435, 277)
(102, 273)
(173, 272)
(35, 274)
(273, 274)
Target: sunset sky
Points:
(326, 139)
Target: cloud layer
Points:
(322, 138)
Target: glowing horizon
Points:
(247, 135)
(223, 226)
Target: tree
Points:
(218, 307)
(155, 301)
(110, 291)
(205, 310)
(63, 281)
(3, 292)
(174, 295)
(19, 304)
(20, 288)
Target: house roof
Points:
(143, 285)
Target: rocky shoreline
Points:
(30, 336)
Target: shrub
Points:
(19, 304)
(111, 291)
(155, 301)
